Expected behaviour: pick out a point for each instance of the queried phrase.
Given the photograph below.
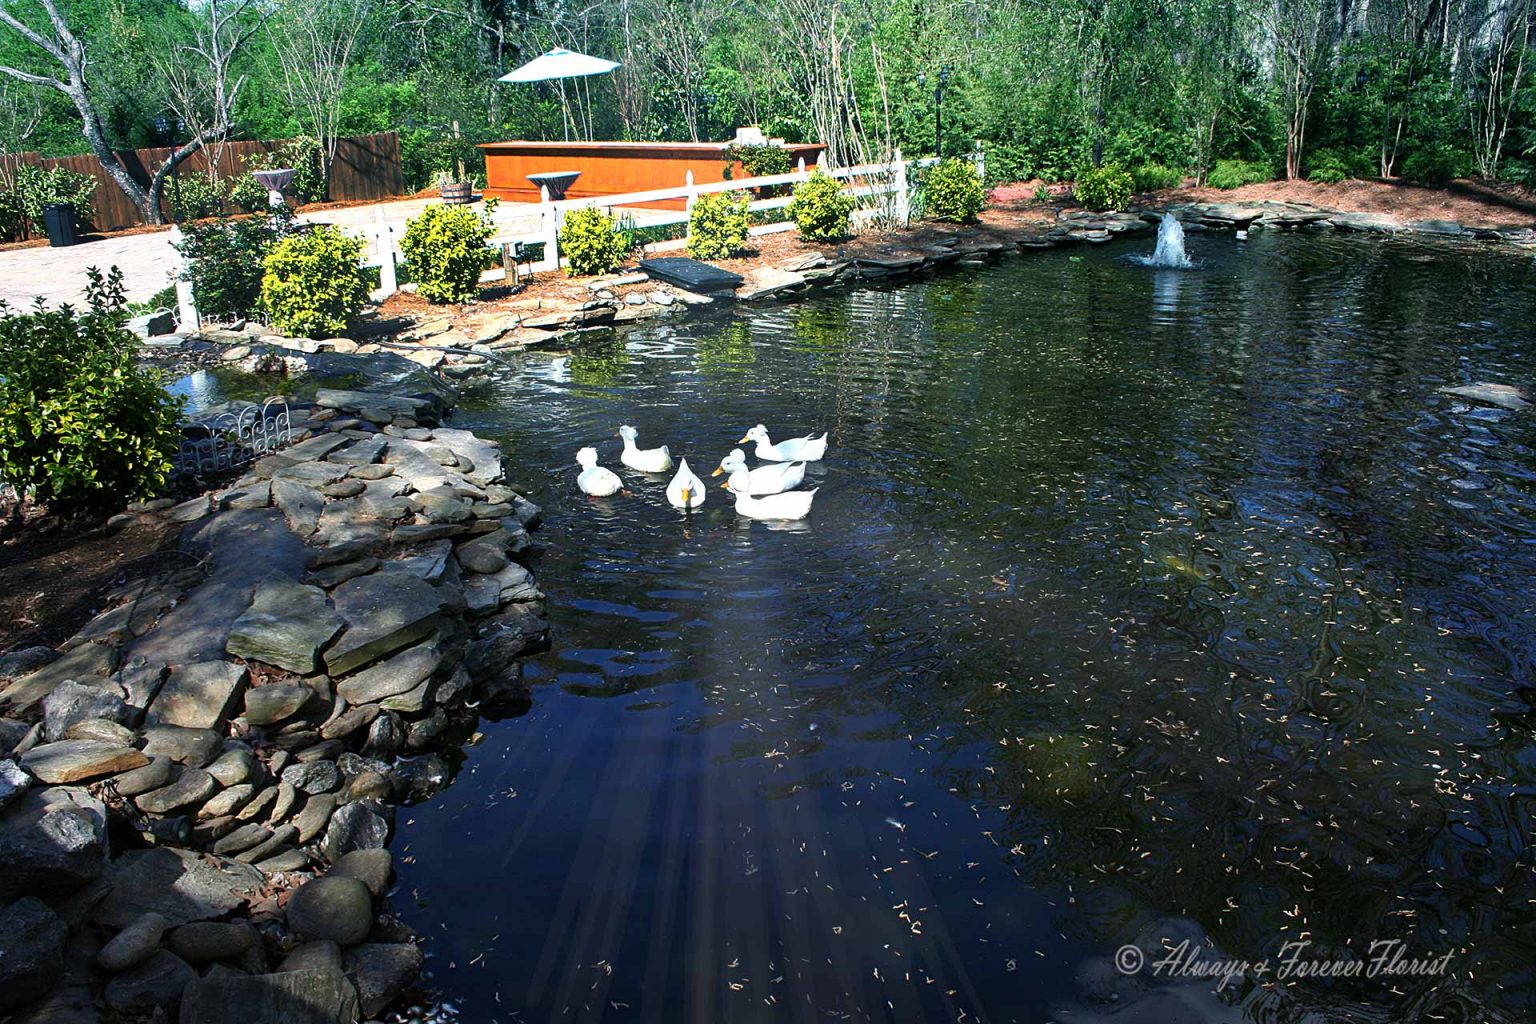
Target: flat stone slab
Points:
(201, 695)
(179, 885)
(78, 760)
(399, 674)
(384, 612)
(286, 625)
(356, 401)
(484, 456)
(766, 281)
(691, 274)
(292, 997)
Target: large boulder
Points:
(398, 675)
(85, 663)
(31, 952)
(359, 825)
(334, 907)
(158, 981)
(72, 702)
(13, 783)
(79, 760)
(52, 842)
(286, 625)
(381, 971)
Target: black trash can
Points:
(59, 222)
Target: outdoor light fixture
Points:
(938, 106)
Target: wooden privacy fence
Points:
(884, 190)
(366, 167)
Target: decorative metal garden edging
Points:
(234, 438)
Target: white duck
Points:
(686, 490)
(809, 448)
(650, 460)
(791, 505)
(594, 479)
(775, 478)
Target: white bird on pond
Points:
(686, 490)
(790, 505)
(809, 448)
(594, 479)
(775, 478)
(651, 460)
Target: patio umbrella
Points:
(558, 65)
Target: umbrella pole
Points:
(565, 112)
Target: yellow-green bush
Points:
(447, 250)
(313, 285)
(1230, 174)
(953, 191)
(591, 243)
(82, 424)
(717, 225)
(820, 208)
(1152, 177)
(1103, 188)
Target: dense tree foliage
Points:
(1050, 86)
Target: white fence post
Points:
(690, 196)
(186, 302)
(903, 197)
(800, 164)
(549, 227)
(389, 280)
(981, 161)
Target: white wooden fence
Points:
(884, 190)
(887, 185)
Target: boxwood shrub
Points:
(717, 225)
(314, 285)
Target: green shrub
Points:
(223, 261)
(196, 196)
(30, 188)
(820, 208)
(1152, 177)
(447, 250)
(591, 243)
(759, 161)
(1435, 165)
(717, 226)
(1327, 167)
(953, 191)
(247, 194)
(1103, 188)
(314, 285)
(82, 424)
(1230, 174)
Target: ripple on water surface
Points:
(1134, 605)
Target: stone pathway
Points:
(255, 719)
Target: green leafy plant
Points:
(758, 160)
(1435, 165)
(820, 208)
(1103, 188)
(223, 260)
(30, 188)
(953, 191)
(314, 285)
(82, 424)
(1327, 167)
(1230, 174)
(197, 196)
(447, 250)
(591, 243)
(717, 225)
(247, 194)
(1152, 177)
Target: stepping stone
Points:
(78, 760)
(293, 997)
(384, 612)
(691, 274)
(83, 664)
(201, 695)
(401, 673)
(286, 625)
(191, 747)
(180, 885)
(300, 503)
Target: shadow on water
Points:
(1133, 607)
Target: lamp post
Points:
(938, 107)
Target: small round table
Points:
(556, 181)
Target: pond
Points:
(1135, 606)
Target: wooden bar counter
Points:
(613, 168)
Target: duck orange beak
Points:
(686, 495)
(745, 439)
(717, 472)
(725, 486)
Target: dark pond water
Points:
(1135, 606)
